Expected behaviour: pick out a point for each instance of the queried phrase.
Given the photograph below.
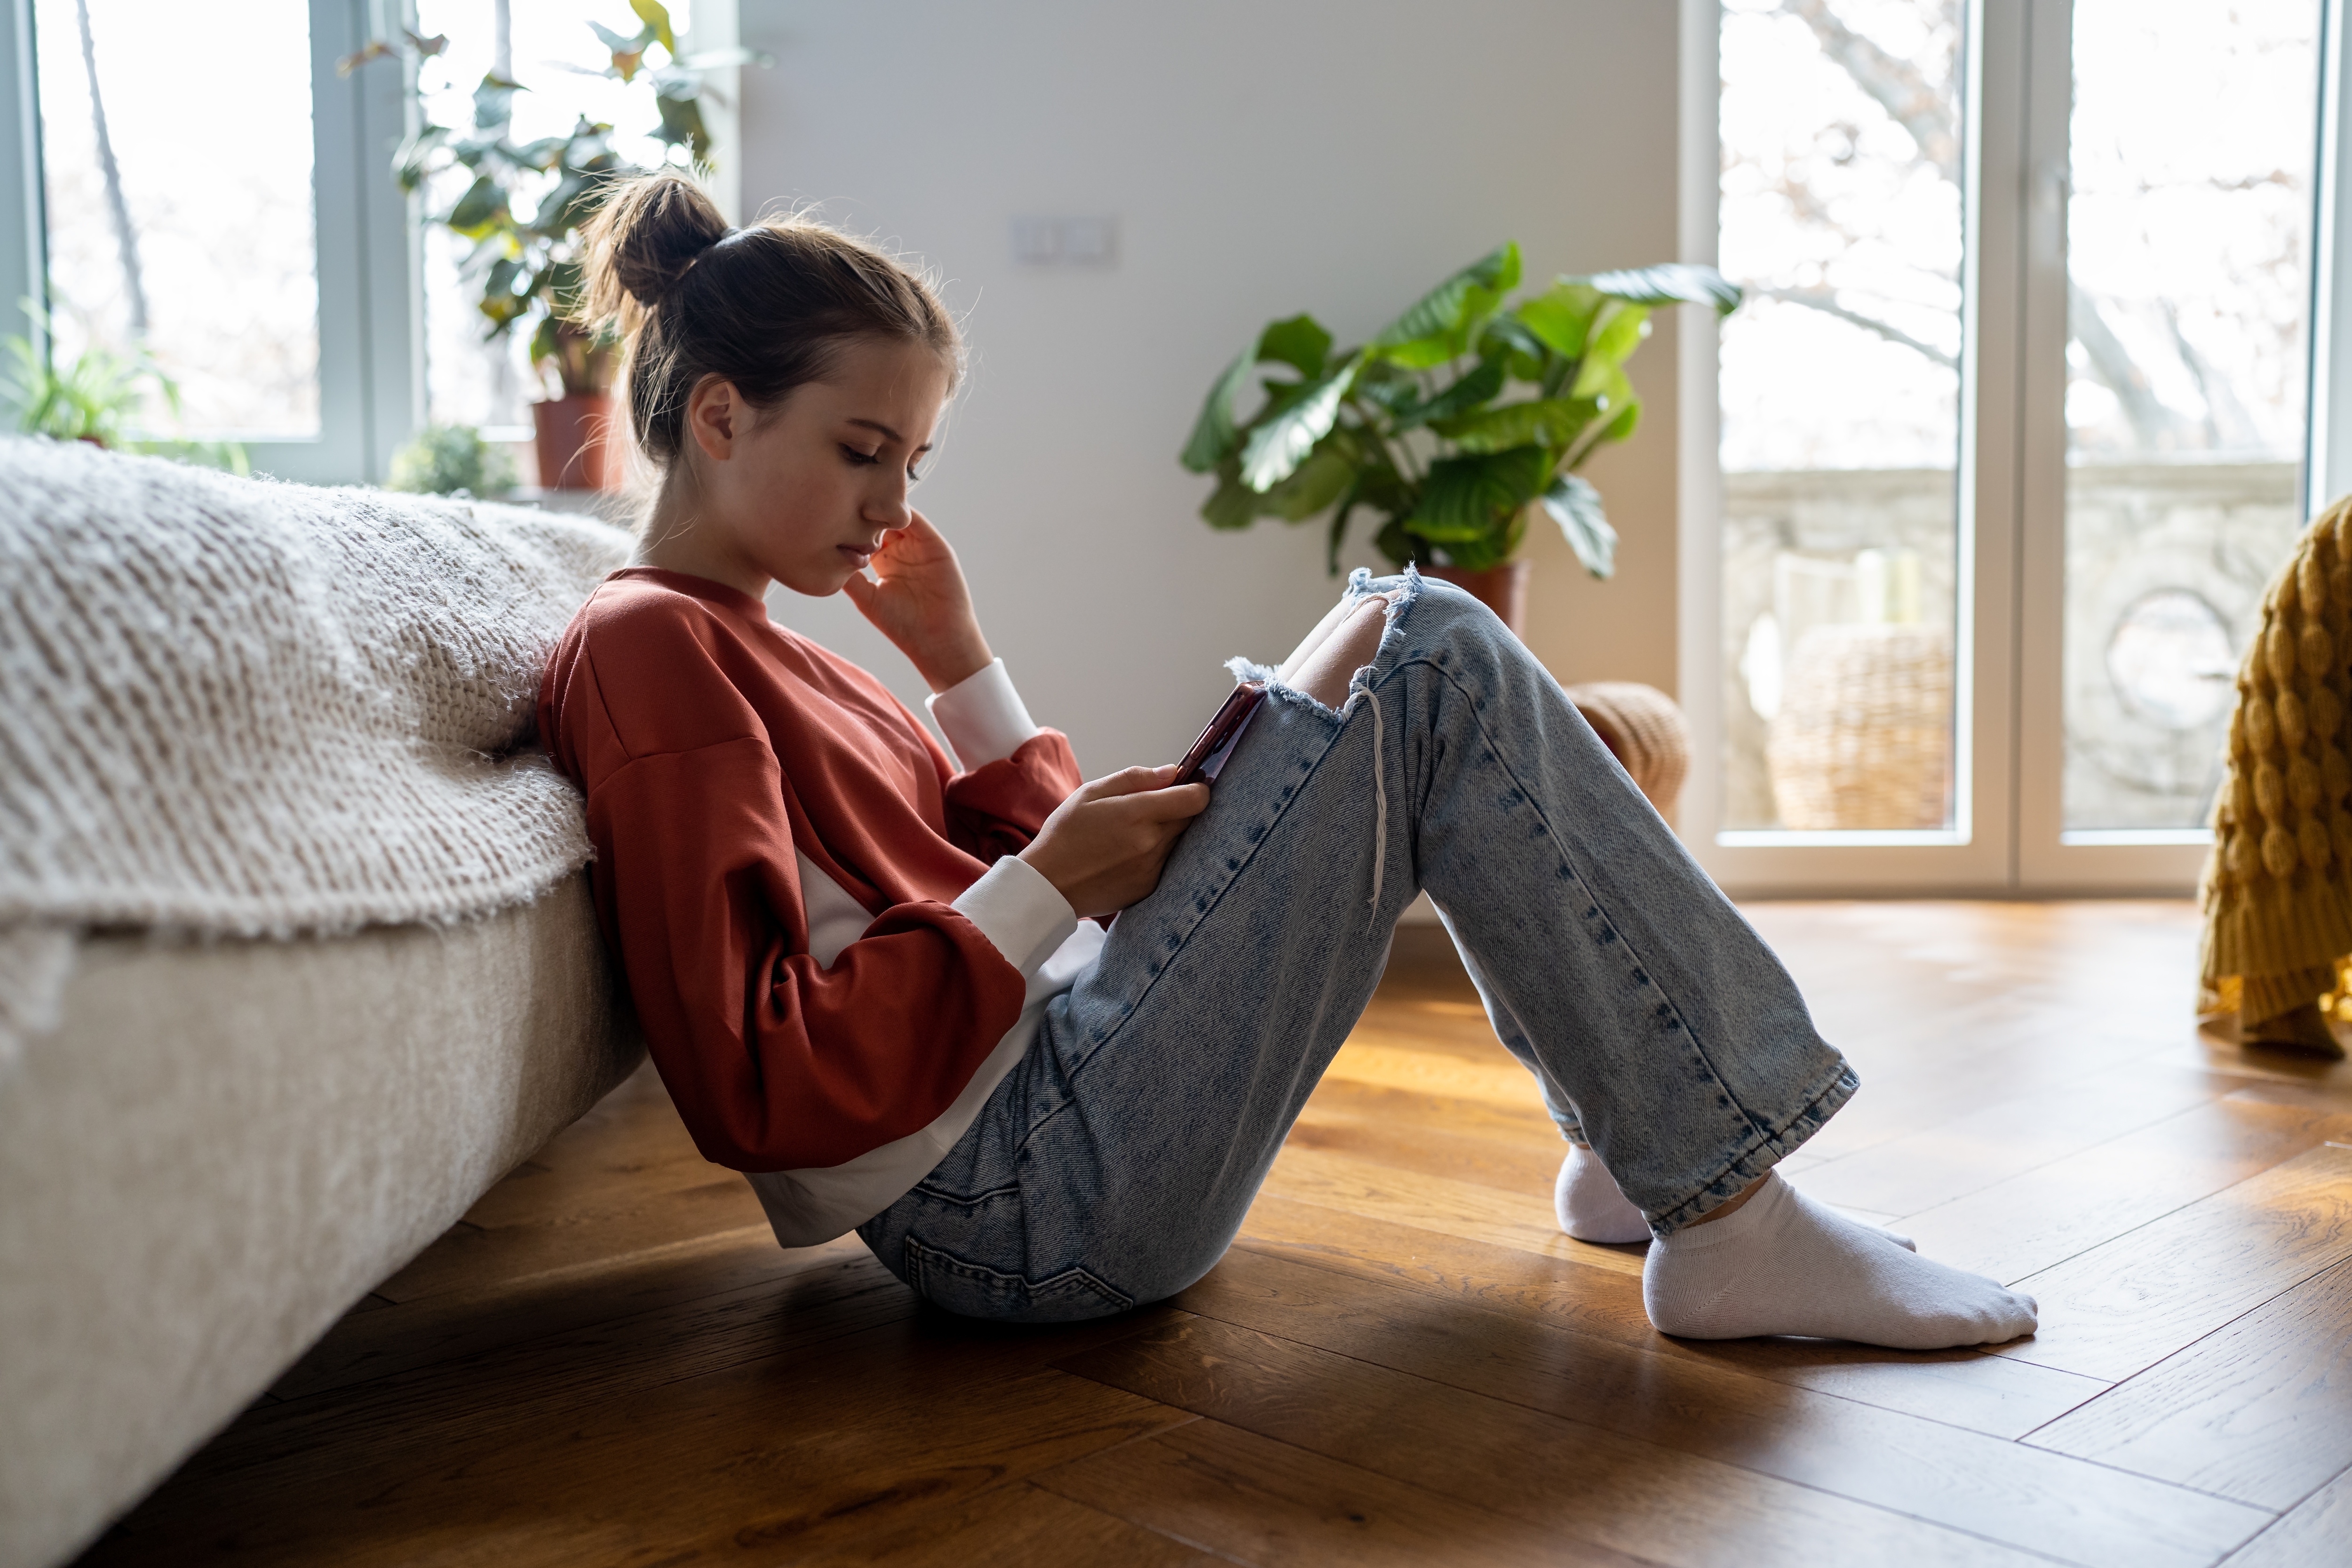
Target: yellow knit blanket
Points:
(2277, 888)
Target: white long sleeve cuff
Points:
(1022, 913)
(982, 717)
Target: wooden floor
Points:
(1402, 1361)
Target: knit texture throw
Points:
(2278, 885)
(238, 707)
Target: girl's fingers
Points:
(1174, 804)
(1128, 781)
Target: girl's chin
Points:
(821, 580)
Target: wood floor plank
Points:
(1962, 1387)
(1018, 1526)
(2043, 1217)
(451, 1325)
(1419, 1110)
(622, 1412)
(621, 1166)
(2323, 1096)
(1521, 1164)
(2121, 1307)
(1971, 1152)
(1347, 1183)
(470, 1257)
(428, 1411)
(2029, 1053)
(2312, 1535)
(1252, 1499)
(1583, 1480)
(1380, 1055)
(1457, 1158)
(2215, 1053)
(751, 1468)
(2083, 1512)
(2259, 1410)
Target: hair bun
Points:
(642, 240)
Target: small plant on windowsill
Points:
(98, 398)
(1412, 425)
(452, 460)
(524, 206)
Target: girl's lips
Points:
(855, 553)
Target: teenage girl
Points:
(865, 970)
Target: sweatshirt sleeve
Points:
(996, 809)
(776, 1063)
(983, 716)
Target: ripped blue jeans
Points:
(1115, 1163)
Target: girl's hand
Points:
(1103, 848)
(917, 598)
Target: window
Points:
(250, 241)
(2009, 435)
(2187, 282)
(1841, 214)
(550, 49)
(218, 276)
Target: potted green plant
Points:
(529, 266)
(98, 398)
(451, 459)
(1419, 427)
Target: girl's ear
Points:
(713, 411)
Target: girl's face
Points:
(804, 493)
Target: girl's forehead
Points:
(901, 385)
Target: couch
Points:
(235, 1094)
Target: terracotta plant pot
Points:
(577, 450)
(1502, 589)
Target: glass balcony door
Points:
(2008, 437)
(1854, 662)
(2168, 273)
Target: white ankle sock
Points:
(1785, 1264)
(1897, 1237)
(1588, 1204)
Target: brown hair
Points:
(767, 306)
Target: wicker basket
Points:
(1864, 738)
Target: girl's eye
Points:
(858, 460)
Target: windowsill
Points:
(2195, 837)
(1841, 837)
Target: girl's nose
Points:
(887, 507)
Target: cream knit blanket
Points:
(237, 708)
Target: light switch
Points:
(1089, 240)
(1037, 241)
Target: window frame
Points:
(371, 345)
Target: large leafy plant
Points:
(1416, 426)
(529, 268)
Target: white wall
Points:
(1260, 158)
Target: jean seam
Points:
(929, 1257)
(1824, 1104)
(958, 1200)
(1706, 1057)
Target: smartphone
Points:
(1208, 753)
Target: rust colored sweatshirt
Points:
(728, 763)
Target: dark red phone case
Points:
(1237, 706)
